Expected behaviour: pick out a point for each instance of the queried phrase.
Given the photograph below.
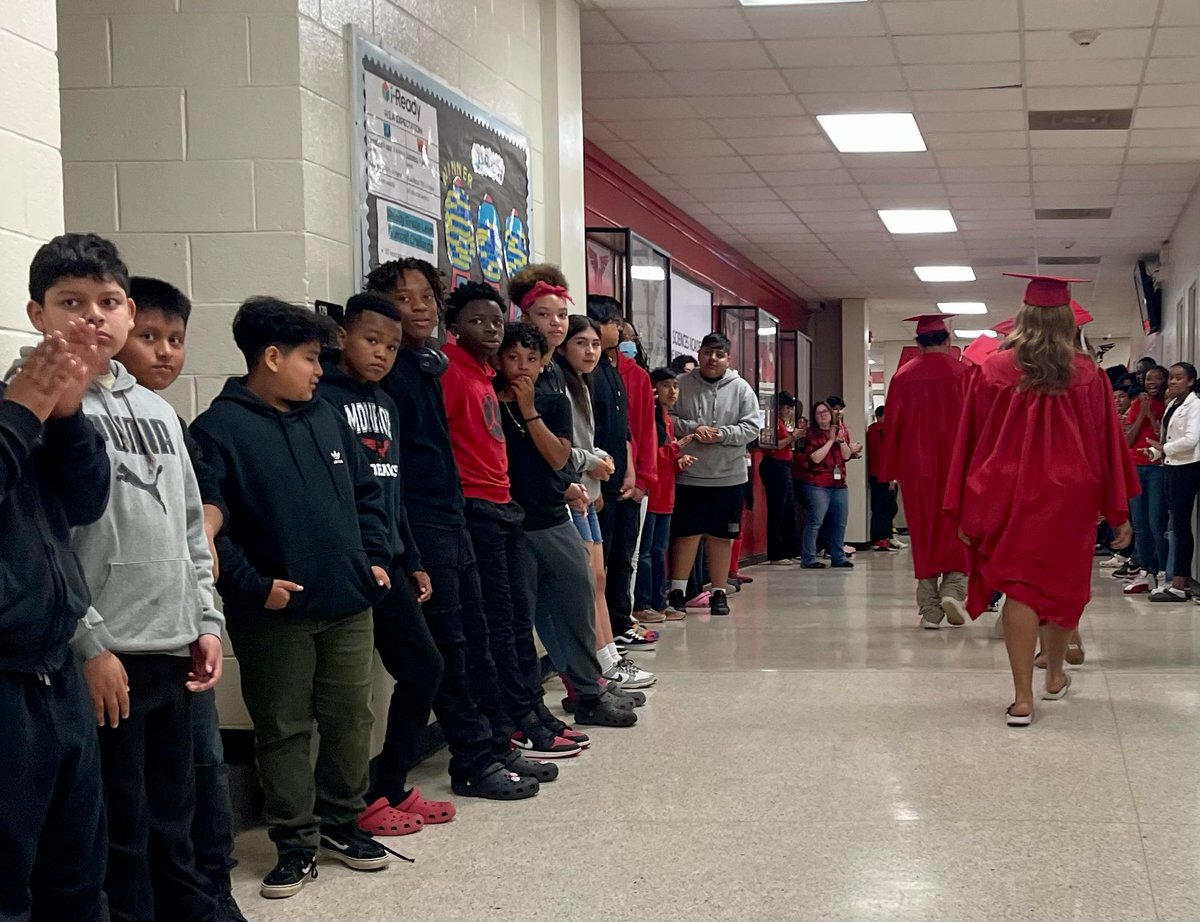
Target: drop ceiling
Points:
(714, 105)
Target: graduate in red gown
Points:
(1039, 455)
(924, 403)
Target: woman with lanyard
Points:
(1180, 451)
(828, 450)
(776, 471)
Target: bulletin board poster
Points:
(438, 177)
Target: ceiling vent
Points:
(1080, 120)
(1069, 260)
(1072, 214)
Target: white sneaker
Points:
(1116, 561)
(1143, 582)
(898, 544)
(1161, 577)
(628, 674)
(956, 611)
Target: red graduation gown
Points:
(924, 403)
(1029, 477)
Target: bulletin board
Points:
(437, 177)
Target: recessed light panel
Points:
(873, 132)
(962, 307)
(945, 273)
(918, 220)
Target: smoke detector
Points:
(1084, 37)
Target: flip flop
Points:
(1061, 693)
(1018, 720)
(382, 819)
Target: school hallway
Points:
(818, 756)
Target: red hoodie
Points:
(662, 491)
(639, 394)
(476, 436)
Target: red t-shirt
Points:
(476, 433)
(1146, 433)
(781, 432)
(639, 396)
(662, 491)
(875, 441)
(823, 474)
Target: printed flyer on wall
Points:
(402, 147)
(405, 233)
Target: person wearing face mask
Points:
(1179, 450)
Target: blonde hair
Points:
(1045, 345)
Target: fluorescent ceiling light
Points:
(918, 220)
(962, 307)
(767, 331)
(648, 273)
(975, 334)
(870, 361)
(945, 273)
(793, 2)
(873, 132)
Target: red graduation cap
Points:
(1082, 317)
(980, 348)
(929, 323)
(1004, 327)
(1046, 290)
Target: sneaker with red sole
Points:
(1143, 582)
(382, 819)
(537, 742)
(558, 728)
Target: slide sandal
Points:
(382, 819)
(1061, 693)
(1017, 720)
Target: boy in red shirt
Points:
(475, 314)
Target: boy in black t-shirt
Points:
(556, 568)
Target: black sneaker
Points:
(632, 640)
(844, 565)
(717, 603)
(543, 772)
(228, 909)
(1126, 571)
(289, 875)
(353, 848)
(558, 728)
(537, 742)
(677, 599)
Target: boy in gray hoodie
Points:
(152, 636)
(719, 407)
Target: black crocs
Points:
(608, 711)
(519, 764)
(496, 783)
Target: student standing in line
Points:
(1143, 425)
(1179, 450)
(147, 564)
(883, 492)
(155, 354)
(54, 475)
(925, 400)
(1039, 455)
(783, 542)
(482, 761)
(369, 340)
(826, 451)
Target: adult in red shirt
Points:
(783, 537)
(1039, 456)
(1143, 425)
(475, 314)
(826, 449)
(883, 492)
(925, 400)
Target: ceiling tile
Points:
(1180, 13)
(816, 21)
(661, 4)
(896, 175)
(844, 79)
(827, 103)
(967, 100)
(1072, 156)
(697, 25)
(686, 165)
(776, 128)
(977, 158)
(1174, 70)
(735, 106)
(1092, 73)
(923, 18)
(634, 109)
(962, 174)
(625, 85)
(1079, 139)
(1076, 172)
(621, 150)
(1168, 95)
(830, 52)
(700, 182)
(881, 161)
(987, 202)
(784, 162)
(687, 55)
(1170, 117)
(594, 27)
(1081, 97)
(726, 82)
(1094, 192)
(1112, 43)
(806, 207)
(601, 58)
(971, 121)
(1162, 171)
(762, 194)
(793, 178)
(844, 191)
(961, 76)
(685, 129)
(1151, 186)
(958, 49)
(760, 209)
(667, 146)
(976, 140)
(1176, 42)
(966, 189)
(1089, 14)
(1166, 137)
(795, 144)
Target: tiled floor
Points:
(818, 756)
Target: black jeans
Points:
(498, 540)
(1183, 484)
(149, 776)
(212, 824)
(52, 839)
(620, 520)
(783, 538)
(410, 656)
(883, 510)
(467, 703)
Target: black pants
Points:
(498, 538)
(410, 656)
(620, 520)
(52, 838)
(148, 769)
(212, 823)
(467, 705)
(883, 510)
(783, 539)
(1183, 484)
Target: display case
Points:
(637, 273)
(754, 336)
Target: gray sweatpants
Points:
(559, 576)
(930, 594)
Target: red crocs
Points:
(382, 819)
(431, 811)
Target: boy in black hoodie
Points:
(369, 339)
(54, 474)
(304, 556)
